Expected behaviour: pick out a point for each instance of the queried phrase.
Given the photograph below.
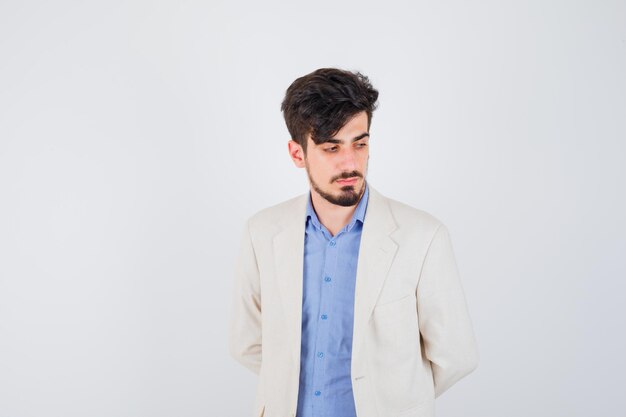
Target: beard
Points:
(348, 195)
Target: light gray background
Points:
(137, 137)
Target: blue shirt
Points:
(328, 314)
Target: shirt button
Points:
(320, 354)
(324, 316)
(332, 243)
(318, 393)
(327, 279)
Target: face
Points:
(345, 156)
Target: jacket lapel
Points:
(376, 253)
(288, 246)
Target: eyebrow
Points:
(354, 139)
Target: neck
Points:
(333, 216)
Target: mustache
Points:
(347, 175)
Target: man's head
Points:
(328, 114)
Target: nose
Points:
(349, 160)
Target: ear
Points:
(296, 153)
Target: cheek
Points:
(321, 169)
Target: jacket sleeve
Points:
(445, 324)
(245, 321)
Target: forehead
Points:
(336, 140)
(355, 129)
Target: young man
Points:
(346, 303)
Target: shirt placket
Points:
(324, 318)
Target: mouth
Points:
(348, 181)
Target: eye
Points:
(331, 149)
(362, 145)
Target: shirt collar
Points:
(359, 212)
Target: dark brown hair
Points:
(322, 102)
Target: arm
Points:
(245, 322)
(444, 320)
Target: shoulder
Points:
(405, 212)
(412, 221)
(406, 215)
(268, 219)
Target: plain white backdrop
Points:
(136, 137)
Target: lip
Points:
(348, 181)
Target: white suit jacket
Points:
(412, 334)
